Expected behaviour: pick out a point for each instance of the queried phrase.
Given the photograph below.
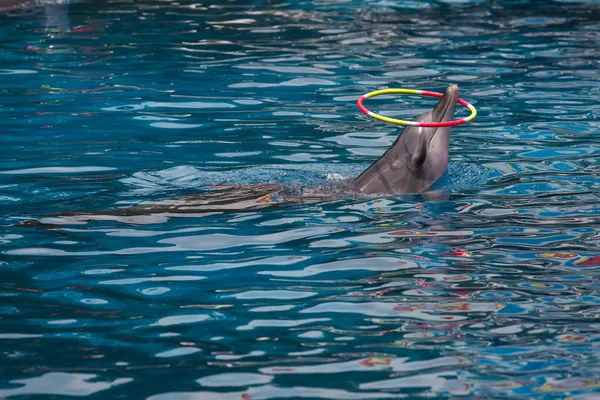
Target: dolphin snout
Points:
(452, 90)
(444, 111)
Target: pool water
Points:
(489, 287)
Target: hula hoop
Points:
(362, 108)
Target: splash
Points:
(459, 177)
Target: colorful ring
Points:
(362, 108)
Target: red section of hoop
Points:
(362, 108)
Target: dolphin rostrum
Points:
(418, 157)
(414, 162)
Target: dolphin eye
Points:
(420, 158)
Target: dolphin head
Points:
(418, 157)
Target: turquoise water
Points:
(487, 288)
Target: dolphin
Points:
(415, 161)
(417, 158)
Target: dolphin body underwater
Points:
(413, 163)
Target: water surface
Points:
(487, 289)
